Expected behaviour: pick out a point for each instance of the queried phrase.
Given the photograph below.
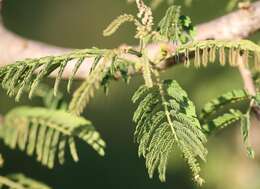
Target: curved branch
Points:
(238, 24)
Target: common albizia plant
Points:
(166, 119)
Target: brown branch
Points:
(239, 24)
(235, 25)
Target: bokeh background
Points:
(79, 24)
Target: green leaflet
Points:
(165, 123)
(45, 132)
(114, 26)
(176, 27)
(18, 77)
(105, 69)
(19, 181)
(218, 103)
(215, 106)
(93, 81)
(230, 118)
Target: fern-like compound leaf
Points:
(176, 27)
(21, 76)
(166, 123)
(214, 119)
(46, 133)
(93, 82)
(19, 181)
(169, 25)
(218, 103)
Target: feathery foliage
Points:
(20, 77)
(106, 68)
(166, 119)
(169, 25)
(86, 90)
(215, 105)
(226, 119)
(19, 181)
(143, 22)
(176, 27)
(214, 121)
(15, 78)
(46, 133)
(172, 27)
(114, 26)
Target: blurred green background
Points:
(79, 24)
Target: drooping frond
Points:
(229, 118)
(19, 181)
(114, 26)
(15, 78)
(213, 118)
(110, 66)
(166, 119)
(93, 81)
(206, 51)
(217, 104)
(143, 22)
(46, 133)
